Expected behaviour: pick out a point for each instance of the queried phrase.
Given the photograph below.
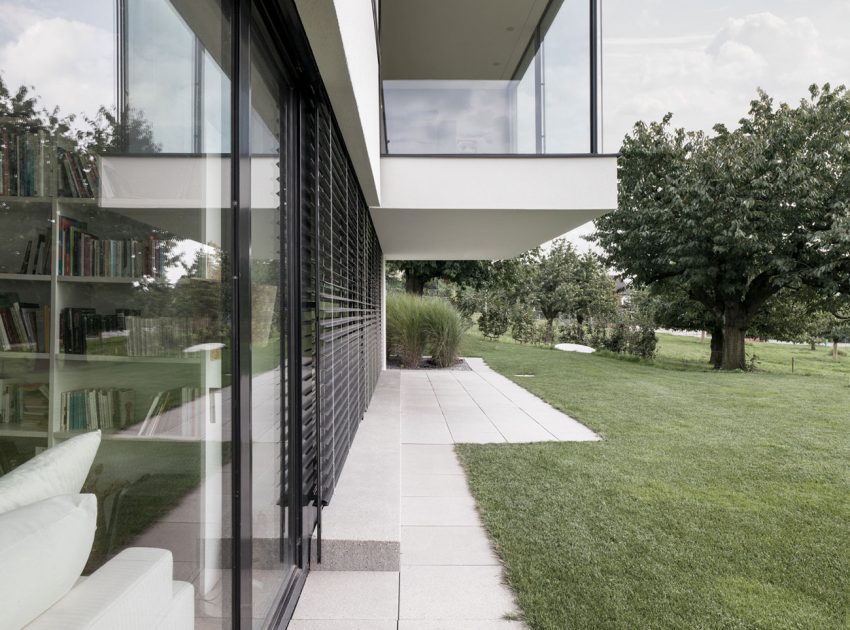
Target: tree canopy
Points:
(734, 218)
(417, 273)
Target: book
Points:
(23, 163)
(24, 403)
(26, 261)
(96, 408)
(23, 327)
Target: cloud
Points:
(705, 60)
(69, 63)
(708, 78)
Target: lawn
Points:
(715, 500)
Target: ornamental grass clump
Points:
(418, 325)
(444, 328)
(406, 328)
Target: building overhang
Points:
(456, 39)
(475, 208)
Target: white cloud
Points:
(69, 63)
(704, 60)
(708, 78)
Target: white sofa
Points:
(46, 533)
(133, 591)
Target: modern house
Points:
(194, 263)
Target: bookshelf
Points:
(96, 310)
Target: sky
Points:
(703, 60)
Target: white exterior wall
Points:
(343, 39)
(456, 208)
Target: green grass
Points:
(715, 500)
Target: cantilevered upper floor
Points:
(475, 124)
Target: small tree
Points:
(553, 284)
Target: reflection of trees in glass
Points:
(90, 135)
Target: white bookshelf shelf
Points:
(32, 356)
(98, 280)
(28, 277)
(14, 430)
(108, 358)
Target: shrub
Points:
(523, 324)
(617, 339)
(643, 342)
(444, 328)
(495, 319)
(406, 335)
(572, 332)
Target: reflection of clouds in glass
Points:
(450, 116)
(161, 63)
(566, 56)
(69, 63)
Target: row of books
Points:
(23, 163)
(37, 254)
(24, 403)
(174, 412)
(88, 409)
(83, 254)
(85, 331)
(126, 333)
(23, 327)
(79, 175)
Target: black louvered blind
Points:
(341, 294)
(350, 316)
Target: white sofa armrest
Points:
(133, 591)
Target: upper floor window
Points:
(519, 80)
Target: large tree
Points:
(739, 216)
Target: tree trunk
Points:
(550, 331)
(716, 358)
(734, 331)
(813, 345)
(835, 349)
(734, 356)
(414, 284)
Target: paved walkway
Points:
(449, 578)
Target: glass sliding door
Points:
(115, 265)
(273, 493)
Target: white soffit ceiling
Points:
(456, 39)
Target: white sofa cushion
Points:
(43, 549)
(133, 591)
(59, 470)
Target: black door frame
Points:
(300, 76)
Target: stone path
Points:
(448, 576)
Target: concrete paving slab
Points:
(343, 624)
(430, 485)
(429, 459)
(439, 511)
(459, 546)
(454, 592)
(468, 624)
(348, 595)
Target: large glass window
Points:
(540, 105)
(273, 495)
(115, 290)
